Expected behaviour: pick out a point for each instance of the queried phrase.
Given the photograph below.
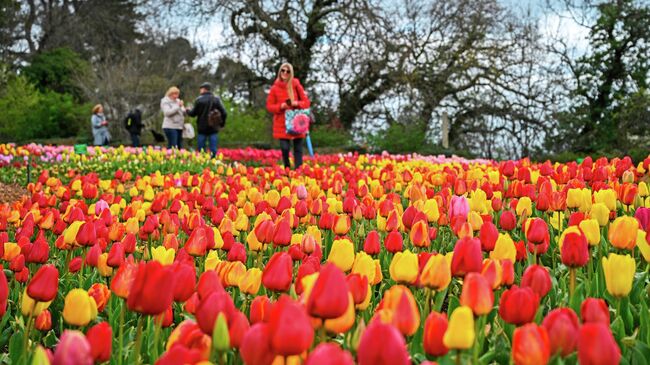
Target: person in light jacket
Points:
(101, 136)
(173, 110)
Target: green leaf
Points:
(16, 347)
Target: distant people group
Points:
(286, 95)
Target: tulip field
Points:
(156, 256)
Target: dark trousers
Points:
(212, 140)
(174, 137)
(285, 145)
(135, 139)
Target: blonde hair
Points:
(289, 80)
(172, 90)
(96, 108)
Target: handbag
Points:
(297, 121)
(188, 131)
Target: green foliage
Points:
(324, 136)
(56, 70)
(412, 138)
(609, 100)
(246, 127)
(30, 113)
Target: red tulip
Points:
(237, 253)
(530, 345)
(237, 328)
(488, 236)
(100, 293)
(185, 282)
(180, 355)
(115, 255)
(467, 257)
(477, 294)
(278, 272)
(282, 233)
(39, 253)
(209, 282)
(92, 257)
(123, 279)
(596, 345)
(196, 244)
(210, 307)
(575, 250)
(563, 327)
(75, 264)
(394, 242)
(100, 338)
(256, 347)
(536, 231)
(165, 319)
(291, 330)
(329, 353)
(507, 220)
(358, 286)
(518, 305)
(43, 321)
(152, 289)
(260, 309)
(382, 344)
(507, 272)
(594, 310)
(434, 330)
(329, 296)
(45, 284)
(17, 264)
(537, 278)
(371, 245)
(4, 292)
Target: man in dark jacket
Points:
(133, 124)
(202, 107)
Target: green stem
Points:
(458, 357)
(156, 336)
(120, 341)
(138, 341)
(572, 283)
(30, 323)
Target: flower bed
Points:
(170, 257)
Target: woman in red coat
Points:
(287, 93)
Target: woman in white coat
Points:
(173, 110)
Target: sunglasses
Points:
(284, 71)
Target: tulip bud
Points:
(530, 345)
(220, 335)
(460, 330)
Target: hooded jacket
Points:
(279, 95)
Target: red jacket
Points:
(279, 95)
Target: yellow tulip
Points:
(70, 233)
(79, 308)
(250, 283)
(619, 274)
(364, 265)
(102, 265)
(436, 273)
(642, 244)
(212, 260)
(460, 330)
(591, 229)
(557, 221)
(253, 243)
(431, 210)
(600, 213)
(524, 205)
(607, 197)
(404, 267)
(163, 255)
(504, 248)
(622, 232)
(30, 306)
(342, 254)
